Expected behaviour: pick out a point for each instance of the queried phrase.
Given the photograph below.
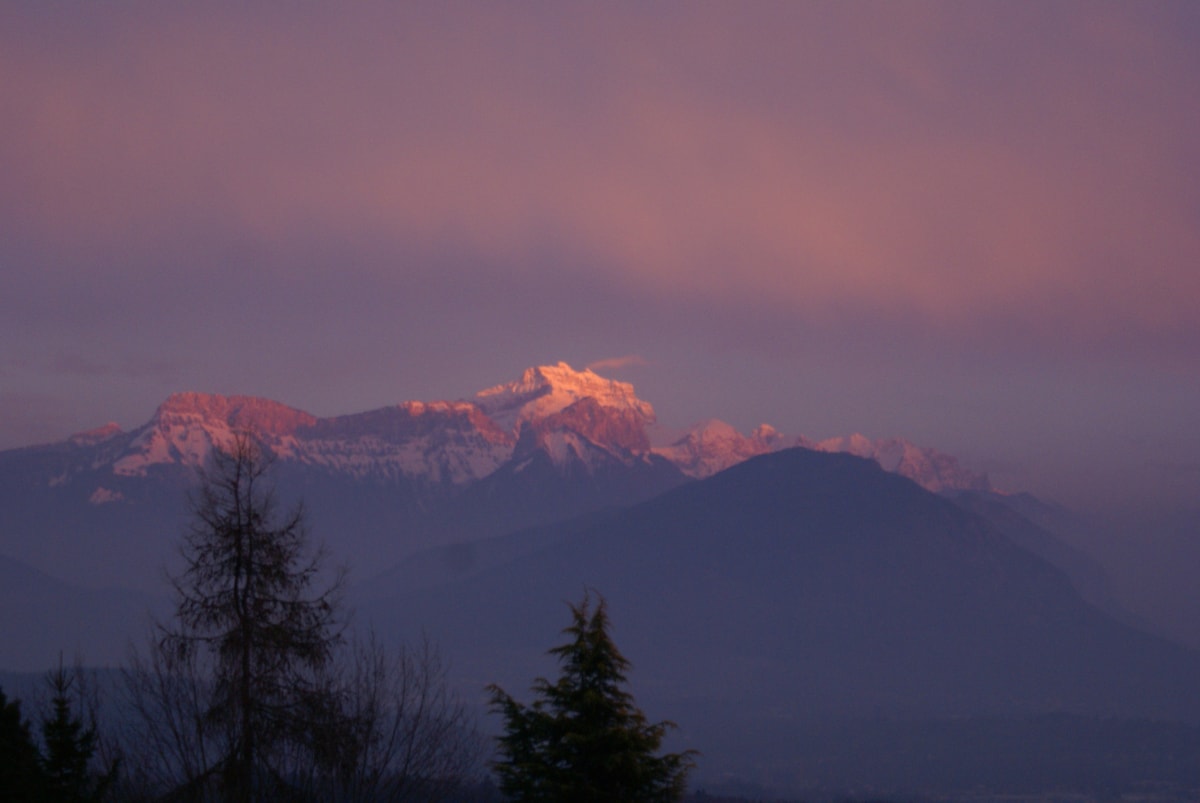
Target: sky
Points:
(974, 225)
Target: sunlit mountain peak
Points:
(547, 389)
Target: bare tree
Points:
(404, 734)
(167, 744)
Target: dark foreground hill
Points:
(800, 586)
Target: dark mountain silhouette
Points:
(794, 589)
(45, 618)
(541, 485)
(1037, 526)
(798, 585)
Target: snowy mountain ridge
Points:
(714, 446)
(576, 418)
(384, 483)
(440, 441)
(547, 389)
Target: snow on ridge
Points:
(92, 437)
(104, 496)
(439, 441)
(408, 420)
(419, 408)
(187, 426)
(458, 458)
(934, 470)
(713, 446)
(442, 441)
(564, 448)
(250, 413)
(566, 413)
(185, 442)
(547, 389)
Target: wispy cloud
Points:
(714, 172)
(617, 363)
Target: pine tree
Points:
(70, 747)
(21, 776)
(583, 738)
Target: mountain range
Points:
(384, 483)
(760, 583)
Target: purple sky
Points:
(975, 225)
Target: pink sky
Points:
(972, 224)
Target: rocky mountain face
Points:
(377, 484)
(554, 409)
(572, 417)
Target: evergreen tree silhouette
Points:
(583, 738)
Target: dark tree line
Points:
(21, 777)
(64, 766)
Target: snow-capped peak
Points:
(714, 446)
(548, 389)
(187, 426)
(250, 413)
(571, 415)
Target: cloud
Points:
(901, 164)
(617, 363)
